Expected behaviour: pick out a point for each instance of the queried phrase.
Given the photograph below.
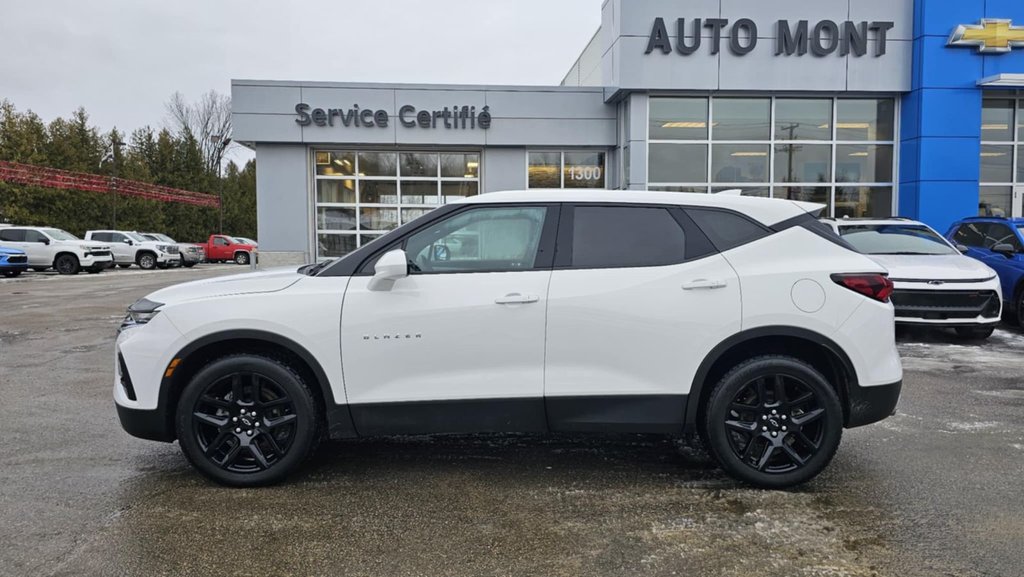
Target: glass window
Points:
(803, 163)
(803, 119)
(583, 170)
(331, 218)
(335, 163)
(1001, 234)
(864, 163)
(336, 191)
(409, 214)
(863, 201)
(678, 162)
(996, 163)
(460, 165)
(418, 164)
(419, 192)
(487, 239)
(335, 245)
(378, 163)
(997, 120)
(663, 188)
(741, 119)
(762, 191)
(995, 201)
(378, 192)
(726, 230)
(452, 191)
(35, 236)
(642, 237)
(12, 235)
(378, 218)
(1020, 120)
(970, 234)
(1020, 164)
(865, 119)
(818, 194)
(543, 170)
(739, 163)
(678, 119)
(895, 239)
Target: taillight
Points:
(872, 285)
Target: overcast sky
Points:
(122, 59)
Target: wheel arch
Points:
(819, 351)
(65, 252)
(138, 255)
(200, 352)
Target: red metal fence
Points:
(53, 178)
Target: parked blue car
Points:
(999, 243)
(12, 262)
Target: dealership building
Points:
(872, 107)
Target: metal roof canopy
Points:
(1003, 80)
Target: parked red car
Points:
(223, 248)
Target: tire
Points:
(163, 266)
(67, 264)
(242, 258)
(125, 265)
(770, 440)
(975, 333)
(12, 273)
(146, 261)
(217, 405)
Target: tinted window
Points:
(970, 234)
(220, 241)
(613, 236)
(101, 236)
(34, 236)
(1001, 234)
(479, 240)
(908, 239)
(12, 235)
(726, 229)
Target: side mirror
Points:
(128, 241)
(45, 240)
(1004, 249)
(392, 266)
(963, 248)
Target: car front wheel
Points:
(773, 422)
(147, 261)
(242, 258)
(67, 264)
(247, 420)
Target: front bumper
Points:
(152, 425)
(13, 267)
(872, 404)
(97, 263)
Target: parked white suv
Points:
(744, 319)
(132, 248)
(51, 247)
(935, 285)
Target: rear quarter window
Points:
(727, 230)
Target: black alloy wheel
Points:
(242, 258)
(246, 420)
(67, 264)
(774, 422)
(147, 261)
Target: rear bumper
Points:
(872, 404)
(978, 322)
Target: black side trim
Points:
(872, 404)
(455, 416)
(339, 419)
(617, 414)
(700, 378)
(143, 424)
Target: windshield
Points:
(136, 237)
(58, 234)
(908, 239)
(163, 238)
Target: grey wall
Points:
(264, 111)
(283, 199)
(626, 27)
(504, 169)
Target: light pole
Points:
(115, 157)
(221, 143)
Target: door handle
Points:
(516, 299)
(704, 284)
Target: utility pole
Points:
(221, 144)
(116, 157)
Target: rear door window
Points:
(626, 236)
(12, 235)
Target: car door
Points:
(458, 344)
(39, 248)
(124, 252)
(221, 248)
(638, 297)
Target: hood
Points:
(935, 267)
(256, 282)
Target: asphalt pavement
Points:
(937, 489)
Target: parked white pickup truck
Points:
(51, 247)
(132, 248)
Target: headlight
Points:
(163, 248)
(141, 312)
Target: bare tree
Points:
(208, 121)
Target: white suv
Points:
(51, 247)
(935, 285)
(744, 319)
(132, 248)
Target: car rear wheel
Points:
(975, 333)
(247, 420)
(773, 422)
(67, 264)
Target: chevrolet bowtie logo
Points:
(991, 36)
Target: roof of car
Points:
(1003, 219)
(875, 221)
(767, 210)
